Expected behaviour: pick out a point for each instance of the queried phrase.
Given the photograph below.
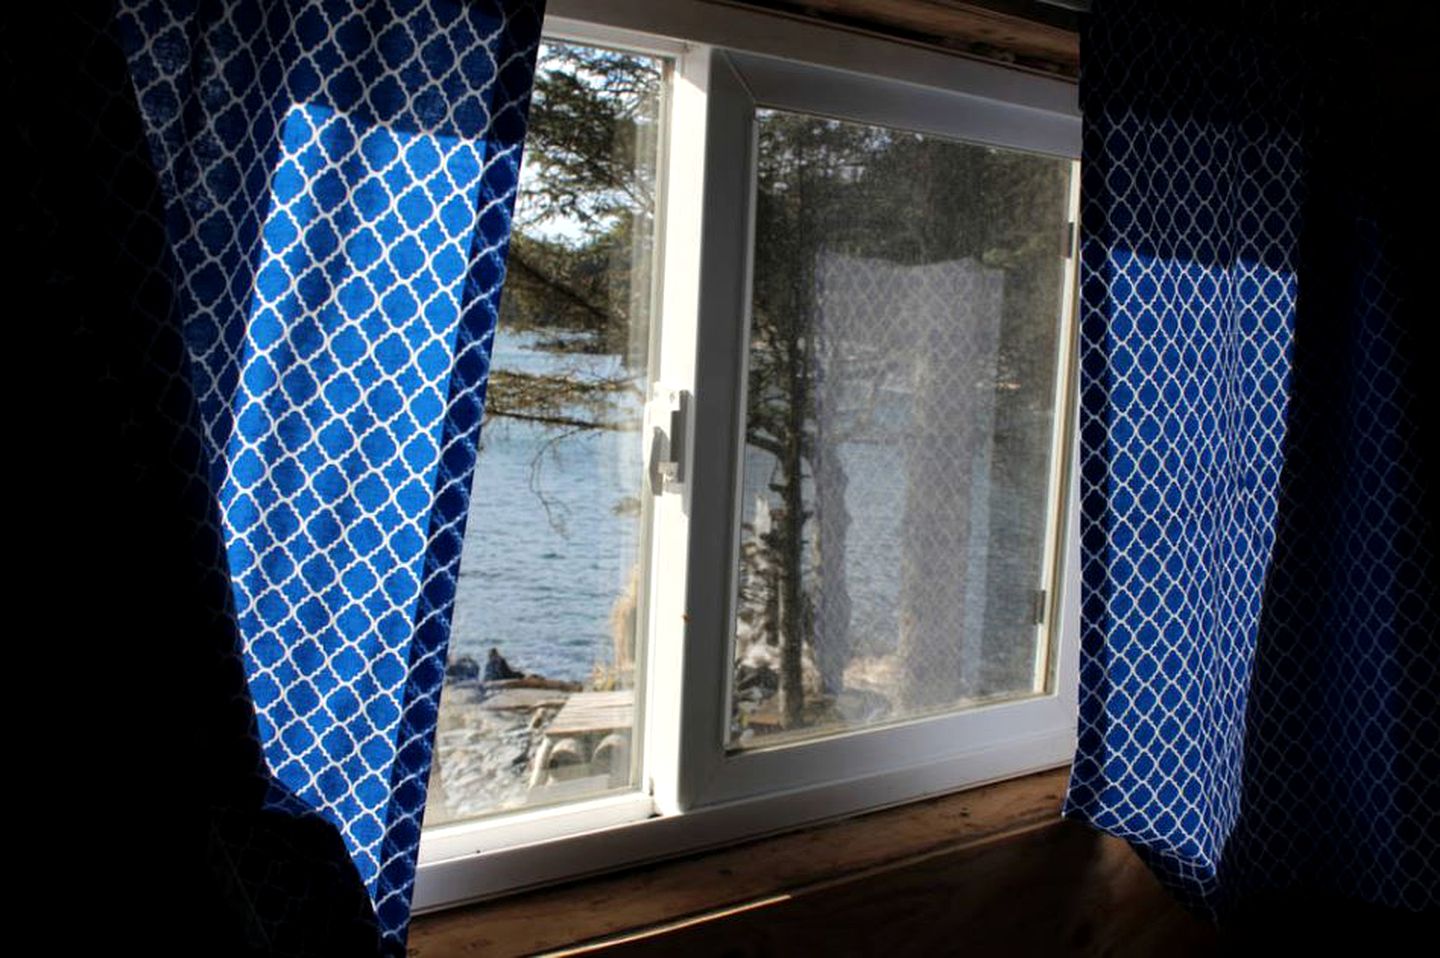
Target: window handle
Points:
(668, 446)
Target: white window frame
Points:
(694, 793)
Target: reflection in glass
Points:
(538, 705)
(900, 419)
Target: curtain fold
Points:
(313, 201)
(1260, 678)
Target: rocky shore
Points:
(491, 726)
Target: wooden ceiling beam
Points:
(1028, 34)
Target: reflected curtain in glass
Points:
(898, 493)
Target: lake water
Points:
(552, 533)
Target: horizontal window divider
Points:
(484, 874)
(904, 104)
(567, 29)
(527, 827)
(757, 32)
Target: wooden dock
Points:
(586, 744)
(592, 713)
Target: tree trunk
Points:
(792, 595)
(835, 333)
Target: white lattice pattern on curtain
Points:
(339, 182)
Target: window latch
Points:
(668, 446)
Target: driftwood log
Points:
(531, 682)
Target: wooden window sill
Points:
(996, 860)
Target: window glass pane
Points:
(538, 705)
(900, 413)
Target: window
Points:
(774, 517)
(899, 421)
(540, 703)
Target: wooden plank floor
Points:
(992, 866)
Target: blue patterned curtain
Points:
(298, 215)
(1260, 677)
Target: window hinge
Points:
(1038, 602)
(1068, 243)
